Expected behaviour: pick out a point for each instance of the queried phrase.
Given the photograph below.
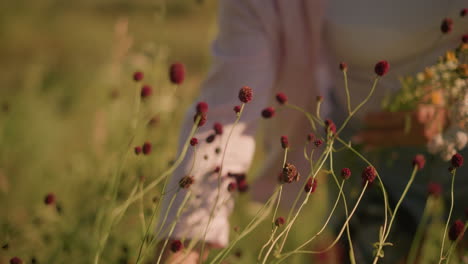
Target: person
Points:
(295, 47)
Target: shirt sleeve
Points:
(243, 56)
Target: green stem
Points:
(348, 98)
(419, 234)
(449, 216)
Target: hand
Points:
(387, 129)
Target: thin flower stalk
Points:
(419, 232)
(455, 243)
(449, 216)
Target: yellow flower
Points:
(450, 56)
(437, 98)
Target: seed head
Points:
(242, 186)
(217, 169)
(310, 137)
(419, 161)
(290, 173)
(145, 91)
(210, 138)
(147, 148)
(268, 112)
(456, 230)
(318, 143)
(281, 98)
(381, 68)
(463, 12)
(176, 246)
(245, 94)
(177, 73)
(202, 108)
(447, 25)
(465, 38)
(330, 126)
(280, 221)
(284, 142)
(369, 174)
(138, 76)
(16, 260)
(137, 150)
(218, 128)
(434, 189)
(49, 199)
(202, 119)
(343, 66)
(311, 185)
(319, 98)
(194, 141)
(237, 109)
(345, 173)
(232, 187)
(186, 181)
(457, 160)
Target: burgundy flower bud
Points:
(176, 246)
(237, 109)
(242, 186)
(147, 148)
(451, 169)
(232, 187)
(310, 137)
(434, 189)
(138, 76)
(290, 173)
(284, 142)
(186, 181)
(311, 185)
(202, 119)
(318, 143)
(145, 91)
(330, 126)
(210, 138)
(343, 66)
(457, 160)
(268, 112)
(217, 169)
(446, 26)
(194, 141)
(218, 128)
(419, 161)
(463, 12)
(345, 173)
(280, 221)
(465, 38)
(137, 150)
(381, 68)
(245, 94)
(202, 108)
(281, 98)
(16, 260)
(319, 98)
(456, 230)
(369, 174)
(177, 73)
(49, 199)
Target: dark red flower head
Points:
(280, 221)
(447, 25)
(419, 161)
(145, 91)
(268, 112)
(137, 150)
(318, 143)
(177, 73)
(242, 186)
(176, 246)
(16, 260)
(381, 68)
(319, 98)
(138, 76)
(369, 174)
(457, 160)
(218, 128)
(49, 199)
(281, 98)
(434, 189)
(456, 230)
(343, 66)
(237, 109)
(311, 185)
(147, 148)
(330, 126)
(210, 138)
(463, 12)
(284, 142)
(202, 119)
(194, 141)
(345, 173)
(465, 38)
(232, 186)
(186, 181)
(310, 137)
(202, 108)
(245, 94)
(290, 173)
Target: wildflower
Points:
(446, 26)
(281, 98)
(369, 174)
(194, 141)
(237, 109)
(343, 66)
(202, 119)
(138, 76)
(280, 221)
(232, 187)
(218, 128)
(284, 142)
(319, 98)
(330, 126)
(177, 73)
(419, 161)
(137, 150)
(381, 68)
(463, 12)
(186, 181)
(245, 94)
(242, 186)
(456, 230)
(202, 108)
(49, 199)
(290, 173)
(310, 137)
(147, 148)
(268, 112)
(145, 91)
(345, 173)
(16, 260)
(318, 143)
(217, 169)
(210, 138)
(176, 246)
(311, 185)
(457, 160)
(434, 189)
